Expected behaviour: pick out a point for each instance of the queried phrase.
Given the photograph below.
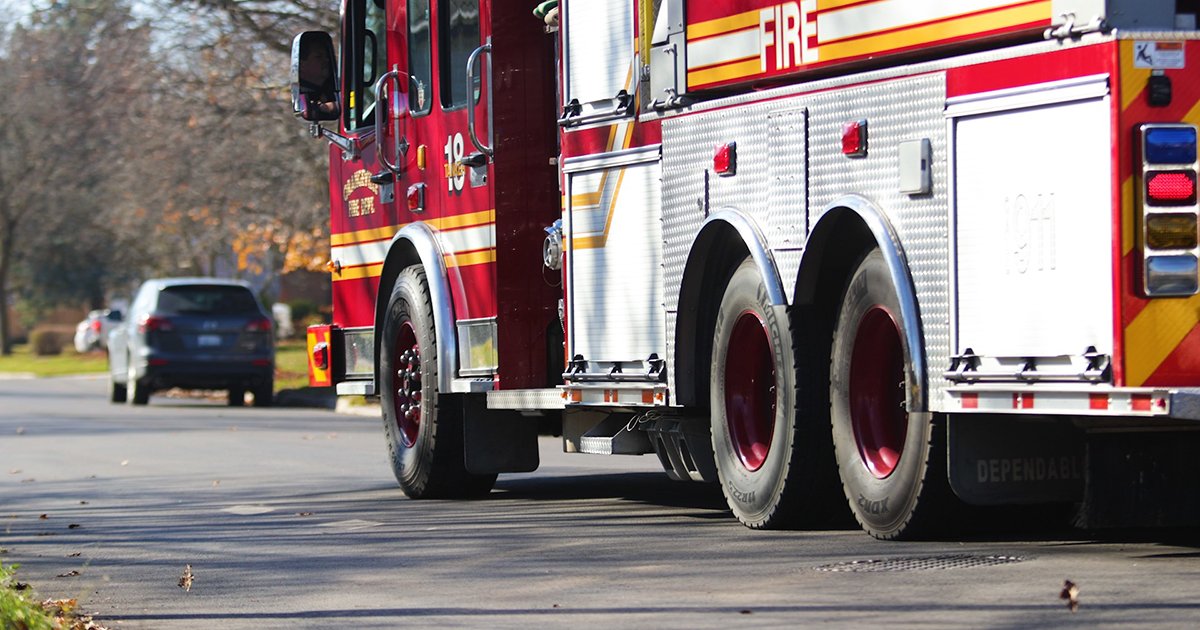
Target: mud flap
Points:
(999, 461)
(498, 440)
(1141, 480)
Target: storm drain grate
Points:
(926, 563)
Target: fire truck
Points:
(895, 259)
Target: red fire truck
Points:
(881, 257)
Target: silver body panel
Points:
(791, 170)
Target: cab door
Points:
(442, 178)
(486, 183)
(361, 205)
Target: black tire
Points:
(892, 473)
(757, 446)
(116, 391)
(424, 428)
(264, 395)
(137, 391)
(237, 397)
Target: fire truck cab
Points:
(883, 259)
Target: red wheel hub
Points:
(877, 395)
(406, 361)
(750, 390)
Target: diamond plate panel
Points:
(787, 209)
(766, 134)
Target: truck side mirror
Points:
(314, 77)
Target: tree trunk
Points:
(5, 264)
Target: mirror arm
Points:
(348, 146)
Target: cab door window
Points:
(420, 52)
(458, 26)
(365, 43)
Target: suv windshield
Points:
(208, 299)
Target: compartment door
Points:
(614, 236)
(1034, 227)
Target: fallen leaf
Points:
(332, 436)
(185, 581)
(59, 607)
(15, 471)
(303, 513)
(125, 462)
(74, 526)
(746, 612)
(44, 517)
(1070, 592)
(75, 555)
(216, 482)
(83, 503)
(71, 573)
(233, 428)
(20, 430)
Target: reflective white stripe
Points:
(361, 254)
(723, 48)
(453, 242)
(888, 14)
(468, 240)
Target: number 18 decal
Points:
(455, 172)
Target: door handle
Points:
(392, 112)
(483, 148)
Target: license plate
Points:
(208, 341)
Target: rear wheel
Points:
(237, 396)
(754, 427)
(424, 427)
(264, 395)
(884, 454)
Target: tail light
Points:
(153, 323)
(261, 324)
(1170, 215)
(320, 356)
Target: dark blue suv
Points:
(193, 333)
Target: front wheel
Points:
(138, 391)
(888, 467)
(424, 427)
(116, 391)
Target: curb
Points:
(355, 407)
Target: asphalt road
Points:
(290, 518)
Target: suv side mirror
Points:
(314, 77)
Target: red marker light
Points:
(725, 159)
(854, 138)
(416, 198)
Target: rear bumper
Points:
(162, 373)
(1136, 404)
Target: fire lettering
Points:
(785, 30)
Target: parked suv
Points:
(92, 333)
(194, 333)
